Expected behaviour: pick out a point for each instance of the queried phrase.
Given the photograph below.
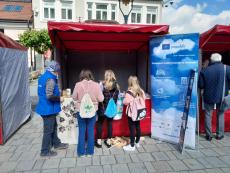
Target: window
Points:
(90, 4)
(66, 13)
(113, 12)
(49, 13)
(101, 11)
(151, 15)
(136, 14)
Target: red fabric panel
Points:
(216, 39)
(104, 37)
(7, 42)
(121, 127)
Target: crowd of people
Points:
(95, 103)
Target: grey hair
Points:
(216, 57)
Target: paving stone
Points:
(215, 162)
(106, 151)
(193, 164)
(107, 169)
(178, 165)
(5, 156)
(209, 152)
(160, 156)
(25, 165)
(96, 160)
(216, 170)
(118, 168)
(225, 159)
(63, 170)
(31, 171)
(207, 144)
(145, 157)
(5, 148)
(15, 156)
(149, 167)
(163, 147)
(105, 160)
(50, 171)
(125, 158)
(94, 169)
(12, 149)
(149, 140)
(28, 155)
(180, 156)
(60, 154)
(161, 166)
(36, 147)
(150, 148)
(67, 163)
(134, 158)
(115, 150)
(170, 155)
(83, 161)
(140, 149)
(51, 163)
(70, 153)
(78, 169)
(224, 151)
(38, 164)
(204, 162)
(98, 151)
(225, 170)
(137, 168)
(195, 154)
(23, 148)
(197, 171)
(8, 166)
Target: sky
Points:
(195, 16)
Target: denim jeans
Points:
(50, 137)
(85, 124)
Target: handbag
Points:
(225, 104)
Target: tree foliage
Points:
(37, 40)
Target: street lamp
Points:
(126, 2)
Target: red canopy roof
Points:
(7, 42)
(102, 37)
(217, 39)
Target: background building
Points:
(143, 12)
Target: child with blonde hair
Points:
(134, 90)
(110, 90)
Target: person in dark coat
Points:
(110, 90)
(211, 81)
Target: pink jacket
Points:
(92, 88)
(128, 98)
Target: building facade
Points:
(143, 12)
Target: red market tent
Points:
(15, 107)
(102, 37)
(217, 39)
(122, 48)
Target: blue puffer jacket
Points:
(211, 79)
(46, 107)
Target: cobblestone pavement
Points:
(21, 154)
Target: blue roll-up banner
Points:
(173, 57)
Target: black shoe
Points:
(107, 145)
(98, 145)
(208, 138)
(61, 146)
(219, 137)
(49, 154)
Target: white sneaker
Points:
(137, 145)
(129, 148)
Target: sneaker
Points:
(61, 146)
(49, 154)
(129, 148)
(208, 138)
(89, 155)
(219, 137)
(106, 143)
(137, 145)
(81, 156)
(98, 145)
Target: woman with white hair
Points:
(211, 80)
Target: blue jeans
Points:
(50, 137)
(83, 124)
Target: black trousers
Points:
(100, 121)
(134, 125)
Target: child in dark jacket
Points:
(110, 90)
